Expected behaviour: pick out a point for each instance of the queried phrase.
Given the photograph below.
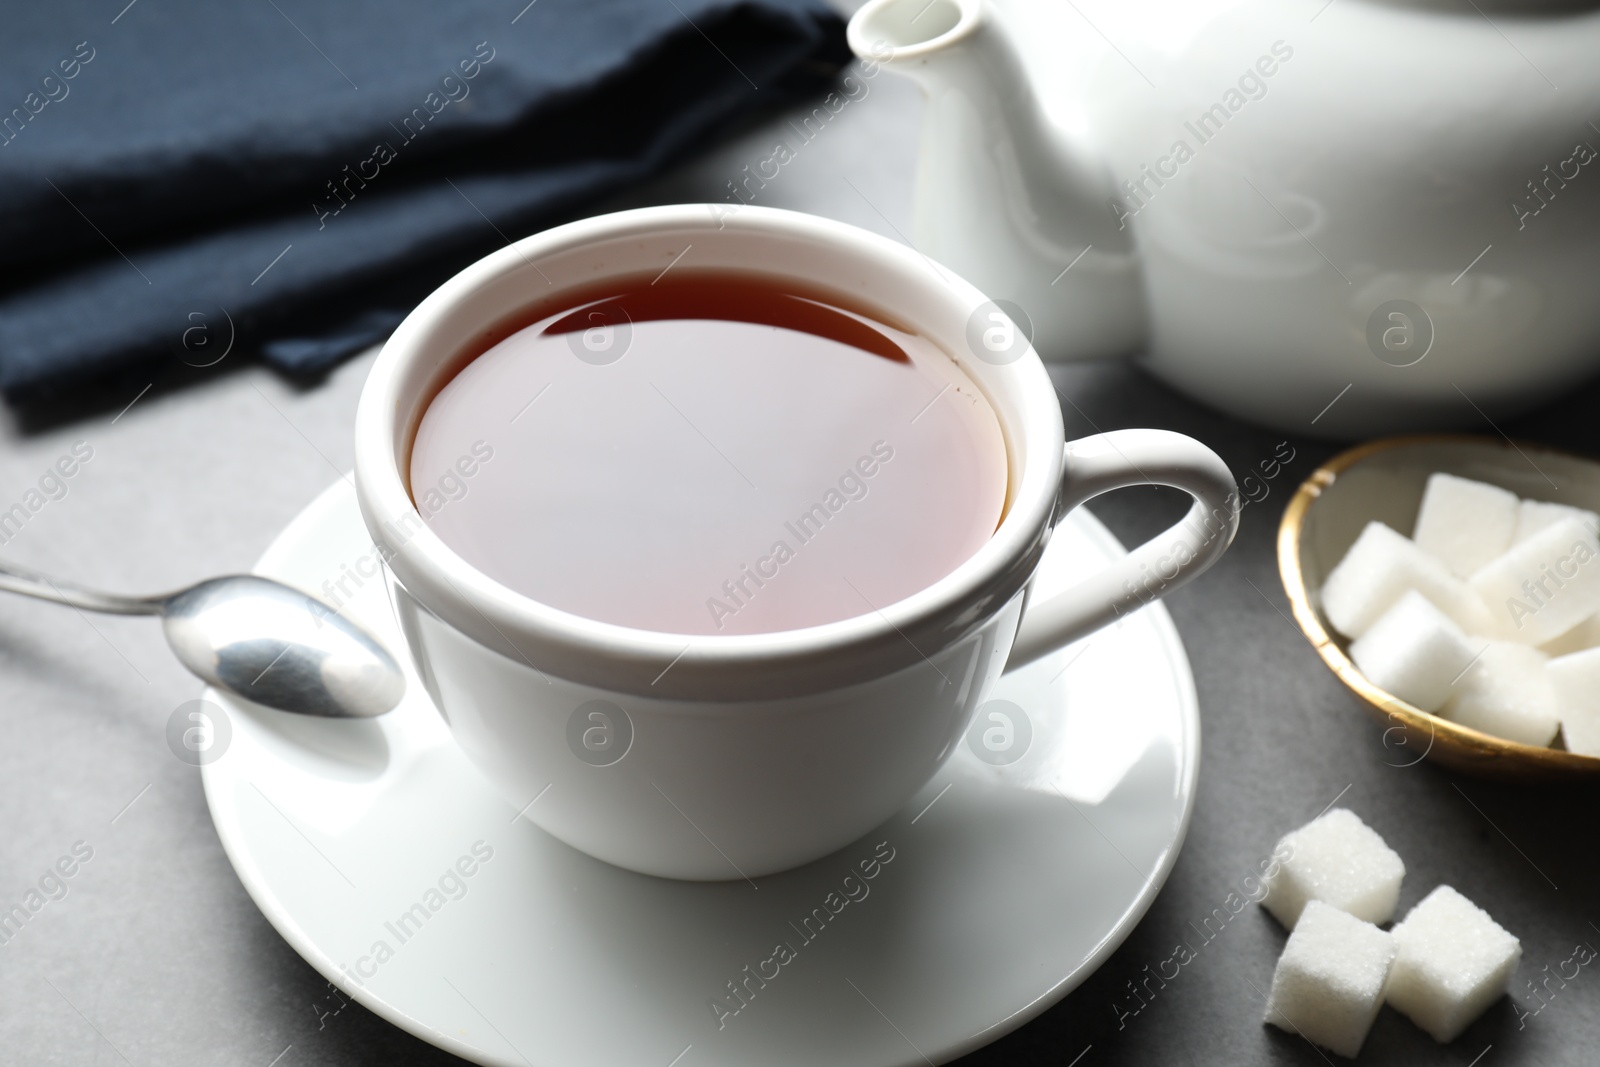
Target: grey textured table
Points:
(155, 955)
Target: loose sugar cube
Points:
(1465, 523)
(1379, 568)
(1535, 515)
(1340, 860)
(1584, 635)
(1414, 652)
(1329, 982)
(1544, 586)
(1452, 962)
(1576, 678)
(1507, 692)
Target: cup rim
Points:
(622, 659)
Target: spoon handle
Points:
(15, 579)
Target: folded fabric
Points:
(288, 178)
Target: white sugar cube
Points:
(1584, 635)
(1577, 682)
(1414, 652)
(1535, 515)
(1507, 692)
(1465, 523)
(1453, 961)
(1382, 565)
(1340, 860)
(1542, 587)
(1328, 985)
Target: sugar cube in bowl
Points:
(1576, 677)
(1535, 515)
(1466, 523)
(1416, 652)
(1384, 482)
(1507, 692)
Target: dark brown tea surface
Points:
(709, 453)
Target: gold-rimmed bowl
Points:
(1384, 480)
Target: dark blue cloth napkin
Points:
(290, 176)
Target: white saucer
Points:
(1008, 885)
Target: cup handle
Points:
(1116, 460)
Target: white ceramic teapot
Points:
(1387, 206)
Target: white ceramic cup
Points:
(718, 757)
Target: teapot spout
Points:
(1004, 196)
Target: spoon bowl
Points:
(253, 637)
(274, 645)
